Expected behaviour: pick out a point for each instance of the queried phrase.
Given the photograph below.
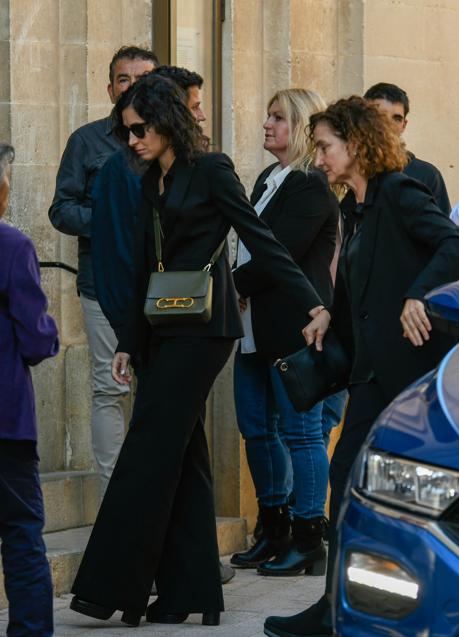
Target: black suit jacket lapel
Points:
(260, 185)
(271, 209)
(369, 234)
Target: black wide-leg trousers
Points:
(366, 402)
(157, 519)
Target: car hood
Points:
(422, 423)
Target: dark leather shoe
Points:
(91, 609)
(155, 615)
(261, 551)
(132, 618)
(316, 621)
(226, 573)
(293, 562)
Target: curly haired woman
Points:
(398, 246)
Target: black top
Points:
(86, 152)
(159, 200)
(429, 175)
(303, 216)
(408, 246)
(204, 201)
(361, 368)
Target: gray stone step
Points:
(65, 549)
(71, 499)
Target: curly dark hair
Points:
(354, 119)
(183, 77)
(163, 104)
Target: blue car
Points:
(398, 569)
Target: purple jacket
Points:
(27, 334)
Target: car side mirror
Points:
(442, 306)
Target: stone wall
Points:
(55, 56)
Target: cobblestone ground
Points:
(249, 598)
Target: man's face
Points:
(126, 73)
(395, 111)
(5, 191)
(194, 103)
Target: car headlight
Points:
(408, 484)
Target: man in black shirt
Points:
(394, 101)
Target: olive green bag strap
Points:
(159, 248)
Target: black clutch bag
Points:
(310, 376)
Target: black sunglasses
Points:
(138, 130)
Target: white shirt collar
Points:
(277, 176)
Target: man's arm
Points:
(70, 211)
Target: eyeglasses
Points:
(138, 130)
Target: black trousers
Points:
(157, 519)
(26, 570)
(366, 402)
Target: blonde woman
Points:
(295, 201)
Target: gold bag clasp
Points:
(165, 303)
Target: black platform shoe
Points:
(306, 551)
(316, 621)
(155, 615)
(90, 609)
(276, 533)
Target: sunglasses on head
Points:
(138, 130)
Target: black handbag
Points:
(179, 297)
(310, 376)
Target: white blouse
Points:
(273, 181)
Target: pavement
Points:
(249, 599)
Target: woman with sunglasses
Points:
(157, 518)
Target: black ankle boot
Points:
(316, 621)
(276, 529)
(258, 530)
(305, 552)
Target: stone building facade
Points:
(53, 77)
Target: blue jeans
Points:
(280, 442)
(27, 578)
(332, 413)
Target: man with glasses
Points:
(87, 150)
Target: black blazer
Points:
(204, 201)
(407, 247)
(303, 215)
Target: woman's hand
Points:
(315, 330)
(120, 368)
(242, 304)
(416, 325)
